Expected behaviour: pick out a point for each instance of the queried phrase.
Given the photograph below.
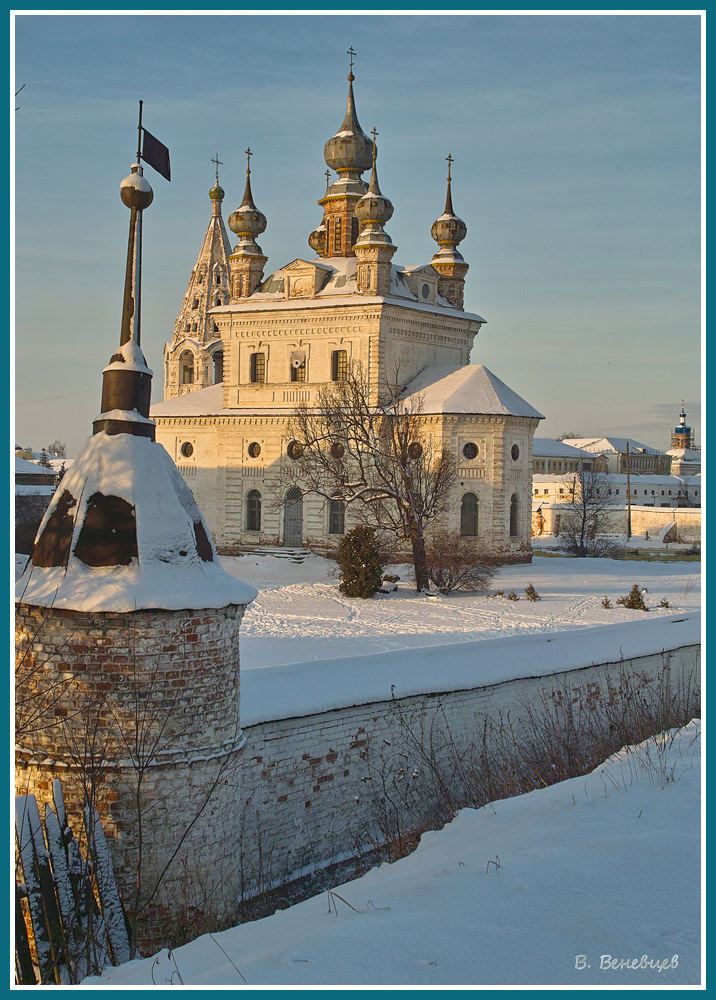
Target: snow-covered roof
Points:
(26, 468)
(123, 532)
(638, 481)
(685, 454)
(200, 403)
(465, 389)
(613, 444)
(549, 448)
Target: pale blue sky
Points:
(577, 170)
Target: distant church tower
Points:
(194, 358)
(682, 436)
(127, 638)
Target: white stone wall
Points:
(314, 789)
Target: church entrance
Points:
(293, 518)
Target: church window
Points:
(339, 364)
(186, 368)
(254, 449)
(294, 450)
(425, 291)
(187, 449)
(187, 328)
(200, 280)
(354, 231)
(257, 367)
(415, 450)
(338, 235)
(337, 450)
(194, 327)
(218, 359)
(470, 450)
(253, 511)
(216, 328)
(218, 300)
(515, 452)
(195, 304)
(217, 279)
(336, 517)
(298, 371)
(514, 515)
(469, 515)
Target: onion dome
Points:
(217, 192)
(317, 239)
(349, 150)
(374, 209)
(247, 221)
(449, 230)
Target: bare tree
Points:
(376, 457)
(58, 449)
(583, 519)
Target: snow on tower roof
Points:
(122, 533)
(466, 389)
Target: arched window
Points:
(339, 366)
(514, 515)
(336, 517)
(298, 371)
(186, 368)
(195, 304)
(354, 231)
(469, 515)
(253, 511)
(218, 359)
(217, 300)
(257, 367)
(338, 235)
(217, 279)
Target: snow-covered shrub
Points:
(663, 603)
(634, 599)
(512, 596)
(606, 603)
(531, 594)
(454, 563)
(359, 561)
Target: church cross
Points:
(351, 52)
(215, 159)
(450, 162)
(249, 154)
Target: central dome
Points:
(350, 148)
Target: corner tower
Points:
(448, 231)
(127, 641)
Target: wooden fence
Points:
(69, 918)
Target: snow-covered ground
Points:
(300, 614)
(590, 882)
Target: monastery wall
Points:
(680, 524)
(315, 789)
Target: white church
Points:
(247, 348)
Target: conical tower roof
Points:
(123, 531)
(209, 279)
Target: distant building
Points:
(685, 458)
(643, 460)
(557, 457)
(32, 474)
(645, 490)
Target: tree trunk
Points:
(417, 540)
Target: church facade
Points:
(247, 349)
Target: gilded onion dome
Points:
(374, 209)
(247, 221)
(449, 230)
(217, 192)
(348, 151)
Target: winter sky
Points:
(576, 141)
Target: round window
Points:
(515, 452)
(415, 450)
(187, 449)
(470, 450)
(425, 291)
(337, 450)
(294, 450)
(254, 449)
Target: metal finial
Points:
(328, 179)
(450, 161)
(374, 132)
(215, 159)
(351, 52)
(249, 154)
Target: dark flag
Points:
(156, 154)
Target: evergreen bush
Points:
(359, 561)
(531, 594)
(634, 599)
